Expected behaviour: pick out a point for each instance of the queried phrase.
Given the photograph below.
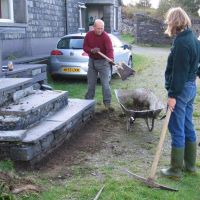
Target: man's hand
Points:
(95, 50)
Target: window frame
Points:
(11, 13)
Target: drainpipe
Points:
(66, 17)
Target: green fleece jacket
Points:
(183, 62)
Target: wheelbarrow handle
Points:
(107, 58)
(160, 146)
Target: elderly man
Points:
(95, 41)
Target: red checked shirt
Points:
(102, 41)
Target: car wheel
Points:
(130, 62)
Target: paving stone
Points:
(12, 136)
(22, 93)
(9, 83)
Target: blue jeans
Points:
(180, 124)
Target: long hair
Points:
(176, 20)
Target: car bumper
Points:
(69, 69)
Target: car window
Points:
(71, 43)
(116, 42)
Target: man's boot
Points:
(190, 156)
(175, 170)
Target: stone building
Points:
(32, 27)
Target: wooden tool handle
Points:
(160, 145)
(106, 57)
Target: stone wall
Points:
(148, 30)
(128, 26)
(36, 28)
(73, 16)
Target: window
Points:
(71, 43)
(6, 11)
(82, 8)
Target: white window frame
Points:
(81, 7)
(11, 19)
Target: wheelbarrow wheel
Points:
(150, 126)
(129, 123)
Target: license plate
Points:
(71, 69)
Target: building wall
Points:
(73, 16)
(40, 23)
(108, 13)
(45, 23)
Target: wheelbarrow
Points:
(139, 103)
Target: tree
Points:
(190, 6)
(143, 4)
(164, 5)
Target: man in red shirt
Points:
(95, 41)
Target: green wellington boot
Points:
(190, 156)
(175, 170)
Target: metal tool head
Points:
(150, 182)
(124, 71)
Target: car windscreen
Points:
(71, 43)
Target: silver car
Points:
(69, 59)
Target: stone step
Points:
(40, 140)
(35, 71)
(31, 109)
(10, 86)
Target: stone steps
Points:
(31, 109)
(35, 120)
(35, 71)
(32, 144)
(9, 87)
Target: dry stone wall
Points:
(148, 30)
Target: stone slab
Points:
(25, 153)
(32, 102)
(74, 108)
(36, 71)
(11, 136)
(9, 83)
